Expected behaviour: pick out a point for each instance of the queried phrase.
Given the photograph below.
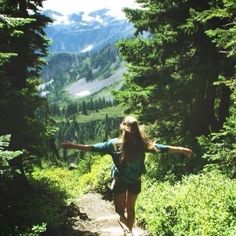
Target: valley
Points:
(79, 89)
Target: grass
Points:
(112, 112)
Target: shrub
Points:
(100, 175)
(59, 179)
(200, 205)
(220, 148)
(36, 230)
(53, 189)
(6, 156)
(56, 187)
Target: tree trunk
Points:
(224, 106)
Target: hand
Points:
(187, 151)
(67, 145)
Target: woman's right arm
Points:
(81, 147)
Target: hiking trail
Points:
(95, 216)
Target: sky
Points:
(74, 6)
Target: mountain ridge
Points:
(79, 32)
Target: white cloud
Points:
(62, 19)
(74, 6)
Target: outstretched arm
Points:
(81, 147)
(186, 151)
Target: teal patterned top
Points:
(128, 172)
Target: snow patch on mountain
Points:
(87, 48)
(75, 32)
(82, 88)
(101, 16)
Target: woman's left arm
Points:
(182, 150)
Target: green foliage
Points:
(6, 57)
(83, 107)
(199, 205)
(92, 173)
(6, 156)
(61, 179)
(36, 230)
(23, 48)
(99, 176)
(174, 60)
(44, 206)
(95, 127)
(169, 167)
(220, 148)
(53, 189)
(223, 35)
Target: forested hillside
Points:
(179, 83)
(63, 69)
(97, 113)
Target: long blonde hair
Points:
(133, 140)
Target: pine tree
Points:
(174, 63)
(22, 49)
(84, 108)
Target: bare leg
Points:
(120, 204)
(130, 206)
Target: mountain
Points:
(81, 74)
(79, 32)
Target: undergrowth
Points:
(199, 205)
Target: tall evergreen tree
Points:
(219, 148)
(173, 67)
(22, 49)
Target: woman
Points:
(128, 153)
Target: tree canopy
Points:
(180, 50)
(22, 50)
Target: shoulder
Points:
(113, 140)
(103, 147)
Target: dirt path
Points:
(96, 217)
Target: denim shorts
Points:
(120, 186)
